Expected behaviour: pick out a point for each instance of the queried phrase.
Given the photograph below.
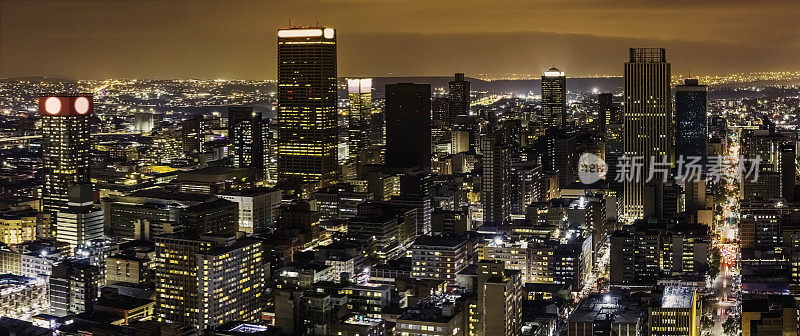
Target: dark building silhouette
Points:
(691, 128)
(606, 112)
(496, 180)
(458, 98)
(192, 131)
(218, 217)
(307, 97)
(408, 125)
(558, 152)
(245, 132)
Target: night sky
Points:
(237, 39)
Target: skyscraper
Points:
(647, 120)
(605, 110)
(307, 136)
(554, 98)
(65, 147)
(458, 98)
(245, 132)
(73, 287)
(408, 125)
(81, 221)
(359, 114)
(691, 120)
(496, 180)
(193, 132)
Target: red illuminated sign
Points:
(65, 105)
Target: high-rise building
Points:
(245, 132)
(307, 105)
(81, 222)
(218, 217)
(458, 98)
(558, 150)
(648, 121)
(73, 288)
(554, 98)
(496, 180)
(258, 208)
(439, 257)
(193, 134)
(675, 313)
(359, 114)
(606, 112)
(496, 307)
(65, 147)
(408, 125)
(691, 121)
(207, 281)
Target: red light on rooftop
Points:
(65, 105)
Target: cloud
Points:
(235, 39)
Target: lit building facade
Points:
(647, 120)
(307, 105)
(208, 281)
(359, 114)
(554, 98)
(65, 147)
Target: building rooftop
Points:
(169, 195)
(677, 297)
(442, 241)
(437, 309)
(600, 306)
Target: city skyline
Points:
(333, 201)
(182, 39)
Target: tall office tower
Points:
(554, 98)
(440, 113)
(359, 114)
(558, 150)
(496, 180)
(307, 103)
(193, 134)
(408, 125)
(73, 287)
(691, 120)
(65, 147)
(270, 134)
(605, 110)
(207, 281)
(81, 221)
(788, 162)
(614, 149)
(647, 120)
(458, 98)
(246, 134)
